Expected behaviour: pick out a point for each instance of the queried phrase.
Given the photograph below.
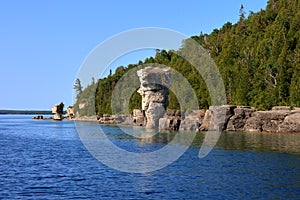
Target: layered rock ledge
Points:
(280, 119)
(235, 118)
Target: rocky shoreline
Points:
(281, 119)
(154, 84)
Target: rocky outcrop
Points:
(86, 118)
(138, 117)
(171, 121)
(291, 123)
(58, 110)
(238, 118)
(267, 121)
(281, 108)
(107, 119)
(115, 119)
(70, 113)
(192, 120)
(38, 117)
(245, 118)
(155, 82)
(279, 119)
(225, 118)
(217, 117)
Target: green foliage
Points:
(86, 100)
(77, 87)
(258, 58)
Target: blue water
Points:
(47, 160)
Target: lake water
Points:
(47, 160)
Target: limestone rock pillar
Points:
(155, 82)
(58, 110)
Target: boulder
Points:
(115, 119)
(192, 120)
(217, 117)
(296, 108)
(291, 123)
(281, 108)
(171, 120)
(237, 121)
(206, 121)
(267, 121)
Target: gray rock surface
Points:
(245, 118)
(281, 108)
(217, 117)
(170, 121)
(155, 82)
(115, 119)
(192, 120)
(138, 117)
(291, 123)
(279, 119)
(238, 120)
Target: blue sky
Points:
(44, 43)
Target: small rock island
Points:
(58, 112)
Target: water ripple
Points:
(46, 160)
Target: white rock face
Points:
(155, 82)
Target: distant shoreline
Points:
(25, 112)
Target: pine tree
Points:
(77, 87)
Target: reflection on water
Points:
(46, 160)
(281, 142)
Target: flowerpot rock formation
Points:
(155, 82)
(58, 110)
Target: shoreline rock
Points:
(86, 118)
(115, 119)
(225, 118)
(267, 121)
(238, 120)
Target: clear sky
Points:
(44, 43)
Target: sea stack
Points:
(58, 110)
(155, 82)
(70, 113)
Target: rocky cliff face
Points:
(155, 82)
(236, 118)
(171, 121)
(245, 118)
(279, 119)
